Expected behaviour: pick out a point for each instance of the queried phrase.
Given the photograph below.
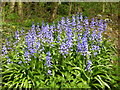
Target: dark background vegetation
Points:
(23, 13)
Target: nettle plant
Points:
(71, 54)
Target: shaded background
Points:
(17, 13)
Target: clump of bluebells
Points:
(76, 39)
(75, 33)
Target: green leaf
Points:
(8, 83)
(104, 83)
(52, 85)
(17, 85)
(98, 86)
(21, 75)
(78, 68)
(83, 85)
(37, 83)
(26, 83)
(102, 86)
(5, 76)
(22, 83)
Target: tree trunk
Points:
(75, 8)
(20, 9)
(103, 7)
(79, 8)
(70, 8)
(12, 5)
(36, 6)
(54, 11)
(2, 11)
(27, 8)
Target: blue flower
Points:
(86, 21)
(7, 42)
(89, 63)
(17, 35)
(73, 21)
(48, 53)
(43, 24)
(93, 35)
(4, 50)
(48, 59)
(49, 72)
(19, 62)
(63, 48)
(92, 24)
(58, 25)
(38, 45)
(26, 54)
(63, 21)
(32, 51)
(22, 31)
(81, 17)
(95, 53)
(68, 21)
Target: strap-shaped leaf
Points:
(26, 83)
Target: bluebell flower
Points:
(63, 21)
(77, 17)
(58, 25)
(92, 24)
(105, 26)
(81, 17)
(95, 53)
(43, 24)
(86, 21)
(89, 63)
(38, 45)
(64, 48)
(73, 21)
(79, 47)
(53, 25)
(32, 51)
(93, 35)
(27, 55)
(8, 60)
(48, 59)
(58, 38)
(49, 72)
(68, 21)
(22, 32)
(17, 35)
(19, 62)
(33, 25)
(38, 27)
(99, 36)
(82, 45)
(51, 28)
(4, 50)
(48, 53)
(7, 42)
